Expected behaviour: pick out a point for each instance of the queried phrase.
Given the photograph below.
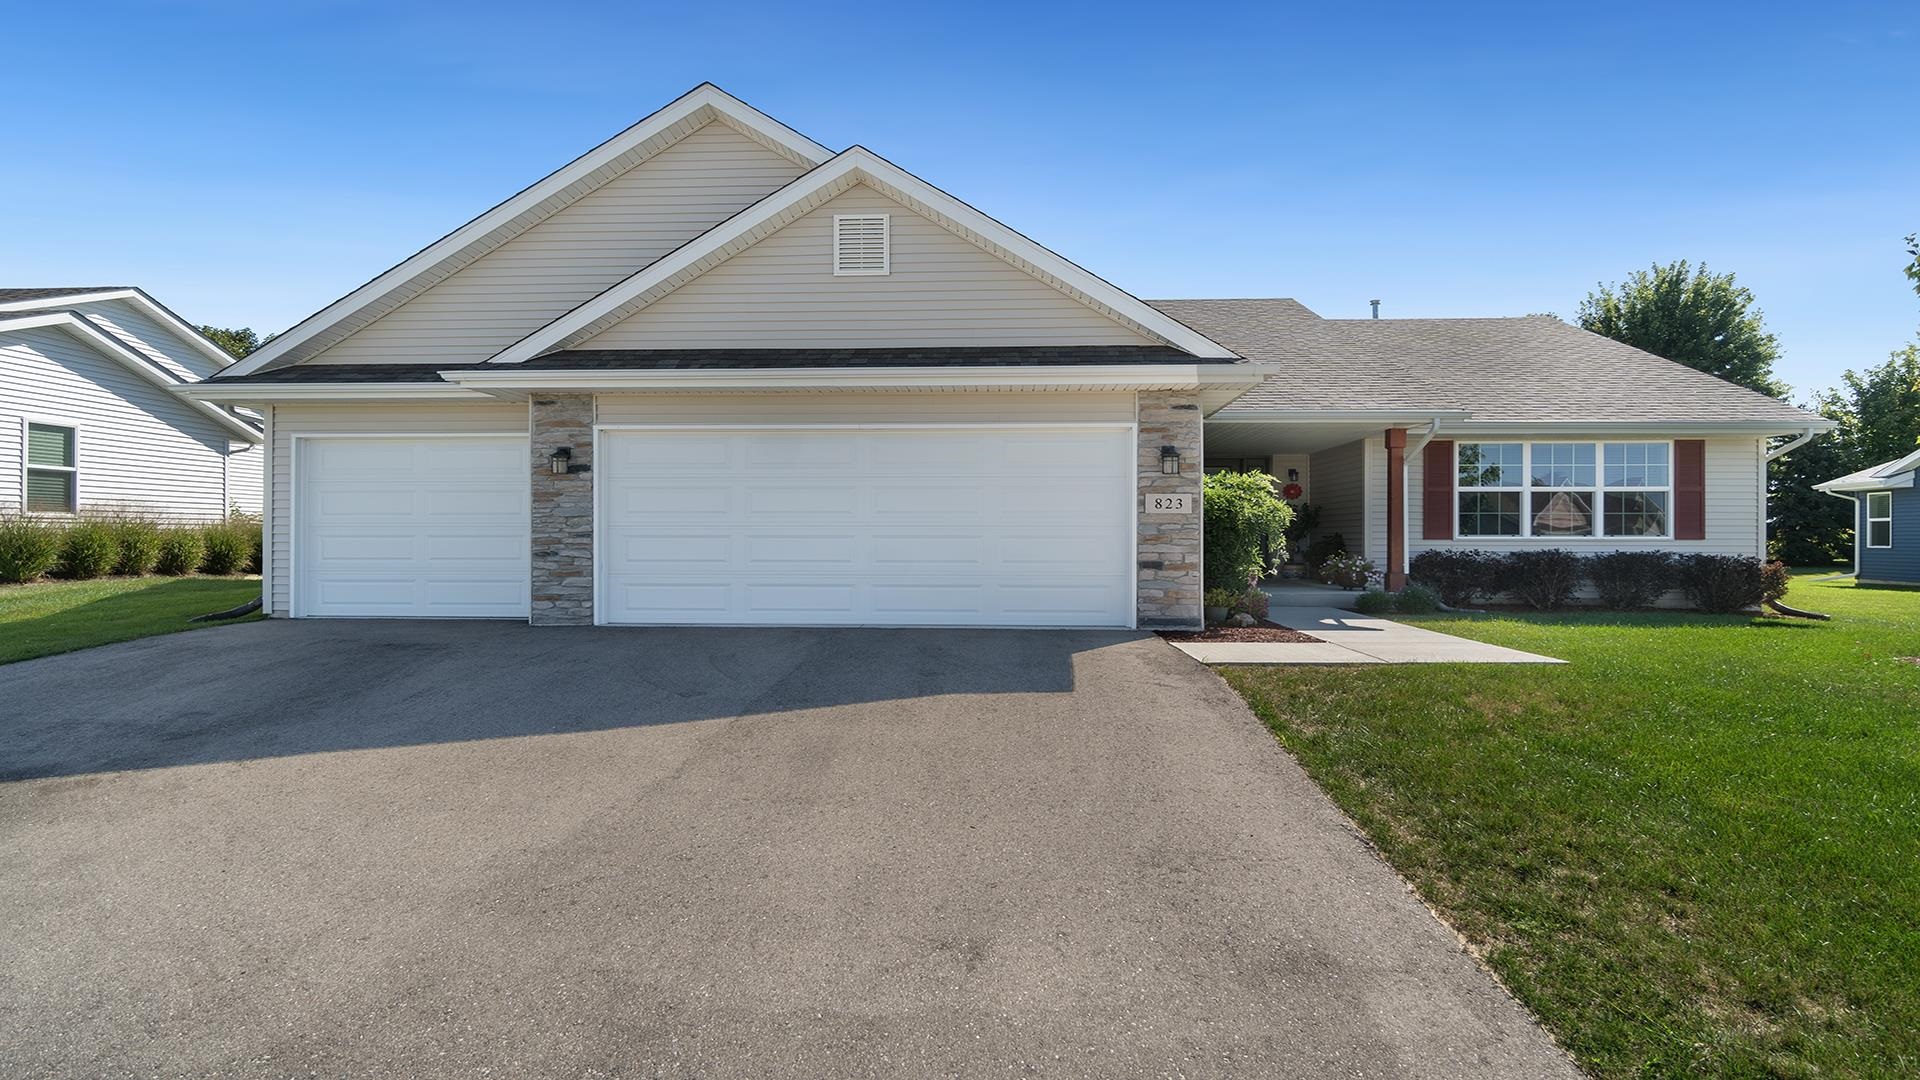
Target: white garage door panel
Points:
(906, 527)
(412, 527)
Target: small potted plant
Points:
(1218, 602)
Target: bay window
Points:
(1563, 489)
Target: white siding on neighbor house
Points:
(884, 408)
(541, 274)
(941, 291)
(1735, 507)
(1339, 490)
(375, 419)
(245, 474)
(147, 336)
(138, 446)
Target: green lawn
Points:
(60, 616)
(1695, 850)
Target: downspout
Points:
(1856, 525)
(1413, 451)
(1798, 442)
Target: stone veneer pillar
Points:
(1169, 589)
(563, 511)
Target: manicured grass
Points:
(1694, 850)
(60, 616)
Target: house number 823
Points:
(1169, 504)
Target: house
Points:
(1886, 520)
(91, 418)
(712, 372)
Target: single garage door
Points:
(420, 527)
(898, 526)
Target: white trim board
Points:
(857, 165)
(154, 309)
(703, 103)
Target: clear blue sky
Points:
(249, 162)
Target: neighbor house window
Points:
(50, 469)
(1879, 519)
(1562, 489)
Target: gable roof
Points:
(854, 166)
(79, 326)
(47, 299)
(1898, 473)
(1532, 369)
(444, 257)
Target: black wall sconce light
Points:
(1170, 461)
(561, 460)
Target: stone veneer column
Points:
(563, 511)
(1169, 589)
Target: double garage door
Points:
(960, 525)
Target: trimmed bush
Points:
(1627, 580)
(1416, 599)
(1459, 577)
(29, 548)
(1347, 570)
(181, 549)
(1774, 579)
(91, 549)
(1253, 602)
(1374, 602)
(229, 546)
(1721, 583)
(139, 542)
(1242, 515)
(1545, 579)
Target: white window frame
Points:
(1872, 520)
(27, 424)
(886, 245)
(1525, 488)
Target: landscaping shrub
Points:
(1321, 550)
(181, 549)
(1347, 570)
(138, 540)
(1242, 515)
(1774, 579)
(1253, 602)
(1627, 580)
(1416, 599)
(1721, 583)
(229, 546)
(1219, 598)
(29, 547)
(1459, 577)
(90, 549)
(1545, 579)
(1374, 602)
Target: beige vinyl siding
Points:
(942, 290)
(879, 408)
(541, 274)
(145, 335)
(139, 447)
(1340, 491)
(368, 419)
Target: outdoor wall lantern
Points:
(1170, 461)
(561, 459)
(1293, 476)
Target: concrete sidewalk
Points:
(1348, 638)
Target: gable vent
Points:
(860, 244)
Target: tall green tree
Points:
(1913, 268)
(238, 342)
(1698, 318)
(1885, 402)
(1807, 527)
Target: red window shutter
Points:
(1690, 489)
(1436, 491)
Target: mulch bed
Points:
(1266, 631)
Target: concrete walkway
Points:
(1348, 638)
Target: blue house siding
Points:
(1901, 562)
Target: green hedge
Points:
(125, 544)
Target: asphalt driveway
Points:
(438, 848)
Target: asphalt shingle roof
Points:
(9, 296)
(1533, 368)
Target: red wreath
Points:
(1292, 492)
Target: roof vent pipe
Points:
(1376, 308)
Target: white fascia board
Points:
(106, 344)
(724, 106)
(186, 332)
(853, 166)
(1078, 377)
(272, 393)
(1388, 417)
(1871, 483)
(1633, 427)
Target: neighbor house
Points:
(91, 418)
(713, 372)
(1886, 519)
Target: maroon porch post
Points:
(1396, 508)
